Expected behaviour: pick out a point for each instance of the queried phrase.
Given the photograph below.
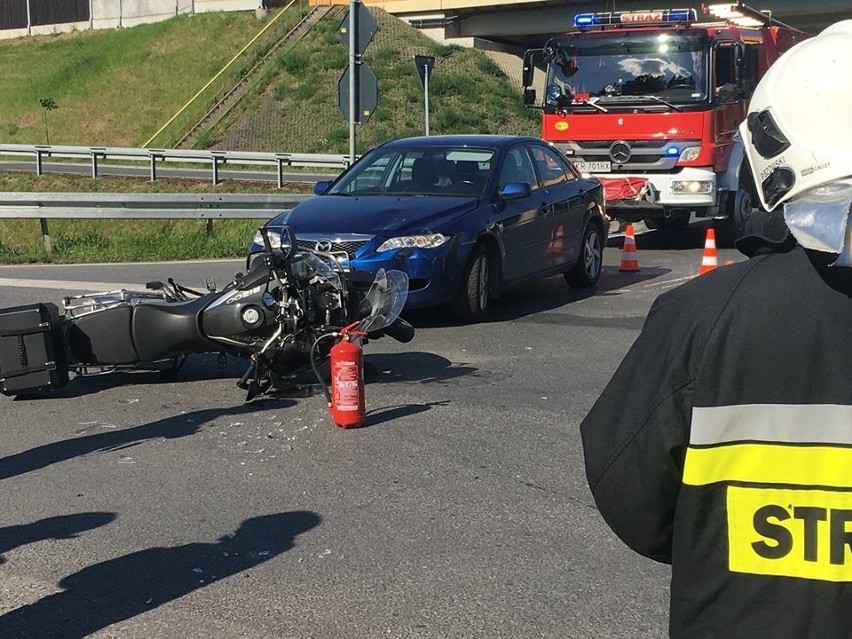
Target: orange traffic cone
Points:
(629, 262)
(708, 259)
(556, 243)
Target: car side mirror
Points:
(321, 186)
(515, 191)
(529, 97)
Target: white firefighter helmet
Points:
(798, 136)
(799, 127)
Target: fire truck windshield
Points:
(616, 67)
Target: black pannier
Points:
(31, 352)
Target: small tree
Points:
(48, 104)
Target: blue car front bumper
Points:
(434, 274)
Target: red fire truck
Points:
(650, 102)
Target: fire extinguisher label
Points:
(347, 394)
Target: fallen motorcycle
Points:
(286, 315)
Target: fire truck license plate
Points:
(592, 167)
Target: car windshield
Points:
(434, 170)
(613, 69)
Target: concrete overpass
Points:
(514, 25)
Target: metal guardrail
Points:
(215, 159)
(44, 206)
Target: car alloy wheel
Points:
(482, 284)
(587, 271)
(471, 303)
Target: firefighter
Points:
(723, 443)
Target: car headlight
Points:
(433, 240)
(274, 240)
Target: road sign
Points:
(364, 32)
(366, 94)
(424, 64)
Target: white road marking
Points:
(70, 285)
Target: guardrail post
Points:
(38, 162)
(209, 227)
(280, 160)
(154, 157)
(95, 155)
(217, 157)
(45, 234)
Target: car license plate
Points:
(593, 167)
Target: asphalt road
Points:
(139, 506)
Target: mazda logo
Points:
(619, 152)
(324, 246)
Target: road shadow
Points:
(115, 439)
(60, 527)
(692, 237)
(416, 367)
(118, 589)
(613, 281)
(198, 367)
(514, 303)
(390, 413)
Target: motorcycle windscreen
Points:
(386, 297)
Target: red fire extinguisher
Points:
(346, 402)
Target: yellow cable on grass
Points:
(221, 71)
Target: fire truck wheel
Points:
(740, 205)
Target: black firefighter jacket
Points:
(723, 445)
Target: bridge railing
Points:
(212, 158)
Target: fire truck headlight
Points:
(689, 154)
(554, 92)
(703, 187)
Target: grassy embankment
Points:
(117, 88)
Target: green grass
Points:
(118, 87)
(76, 241)
(297, 107)
(127, 240)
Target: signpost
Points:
(357, 88)
(425, 64)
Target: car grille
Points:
(348, 247)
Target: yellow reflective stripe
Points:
(769, 463)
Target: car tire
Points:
(474, 294)
(587, 270)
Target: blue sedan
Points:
(464, 215)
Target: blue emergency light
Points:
(673, 150)
(658, 16)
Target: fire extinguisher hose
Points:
(316, 369)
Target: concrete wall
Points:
(114, 14)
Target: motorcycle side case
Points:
(31, 352)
